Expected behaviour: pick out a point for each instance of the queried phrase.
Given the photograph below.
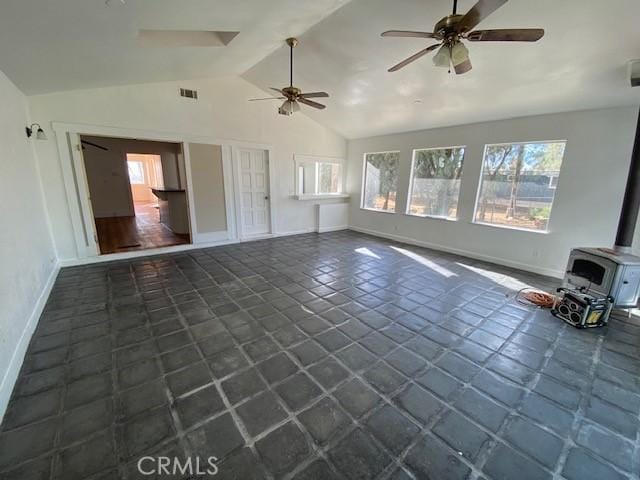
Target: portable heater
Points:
(581, 309)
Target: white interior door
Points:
(84, 198)
(254, 191)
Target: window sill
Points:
(433, 217)
(508, 227)
(327, 196)
(377, 210)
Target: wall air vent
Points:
(186, 93)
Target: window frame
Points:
(547, 230)
(364, 178)
(411, 178)
(314, 161)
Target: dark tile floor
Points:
(316, 357)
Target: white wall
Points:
(586, 206)
(208, 187)
(26, 249)
(221, 111)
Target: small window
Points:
(380, 187)
(435, 182)
(318, 176)
(329, 177)
(518, 184)
(136, 172)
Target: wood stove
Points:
(613, 272)
(605, 272)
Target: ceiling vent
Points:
(186, 93)
(184, 38)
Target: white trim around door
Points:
(76, 186)
(237, 151)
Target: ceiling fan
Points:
(454, 28)
(291, 95)
(95, 145)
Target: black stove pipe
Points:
(631, 203)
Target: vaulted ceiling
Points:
(54, 45)
(581, 62)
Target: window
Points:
(518, 184)
(380, 181)
(136, 172)
(435, 182)
(318, 176)
(328, 175)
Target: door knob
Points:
(266, 198)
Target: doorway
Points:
(254, 190)
(137, 193)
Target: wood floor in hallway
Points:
(144, 231)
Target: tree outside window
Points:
(329, 178)
(381, 181)
(518, 184)
(435, 182)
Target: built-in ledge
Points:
(328, 196)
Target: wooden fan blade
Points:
(479, 12)
(277, 90)
(463, 67)
(311, 103)
(406, 34)
(413, 58)
(85, 142)
(507, 35)
(315, 95)
(267, 98)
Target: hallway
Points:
(144, 231)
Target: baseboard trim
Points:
(202, 238)
(74, 262)
(463, 253)
(332, 229)
(17, 358)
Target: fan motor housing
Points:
(291, 92)
(448, 26)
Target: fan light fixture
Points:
(459, 54)
(453, 29)
(40, 135)
(291, 95)
(289, 107)
(443, 57)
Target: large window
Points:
(435, 182)
(518, 184)
(380, 181)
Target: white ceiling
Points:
(48, 45)
(53, 45)
(579, 64)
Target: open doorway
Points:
(137, 192)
